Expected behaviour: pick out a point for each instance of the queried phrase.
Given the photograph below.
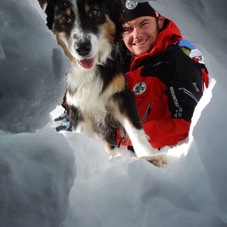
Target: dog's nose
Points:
(83, 49)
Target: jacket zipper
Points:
(148, 111)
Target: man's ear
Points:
(161, 22)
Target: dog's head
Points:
(86, 29)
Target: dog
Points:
(97, 96)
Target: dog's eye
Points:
(65, 19)
(93, 13)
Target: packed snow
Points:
(66, 179)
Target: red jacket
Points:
(167, 85)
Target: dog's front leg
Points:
(138, 138)
(128, 117)
(141, 145)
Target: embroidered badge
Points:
(139, 88)
(130, 4)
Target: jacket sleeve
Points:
(185, 88)
(183, 93)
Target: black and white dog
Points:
(99, 102)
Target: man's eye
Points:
(144, 24)
(128, 30)
(65, 19)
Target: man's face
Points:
(140, 34)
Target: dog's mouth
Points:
(87, 63)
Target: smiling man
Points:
(167, 83)
(141, 27)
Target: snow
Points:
(66, 179)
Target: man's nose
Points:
(136, 32)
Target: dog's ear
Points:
(116, 12)
(43, 4)
(48, 7)
(116, 8)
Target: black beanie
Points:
(133, 9)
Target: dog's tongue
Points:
(87, 63)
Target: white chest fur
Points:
(86, 94)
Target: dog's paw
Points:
(159, 160)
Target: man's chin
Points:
(141, 50)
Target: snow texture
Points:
(65, 179)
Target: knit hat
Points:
(133, 9)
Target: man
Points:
(167, 83)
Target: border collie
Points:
(97, 96)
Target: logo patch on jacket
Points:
(139, 88)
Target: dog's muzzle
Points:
(83, 49)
